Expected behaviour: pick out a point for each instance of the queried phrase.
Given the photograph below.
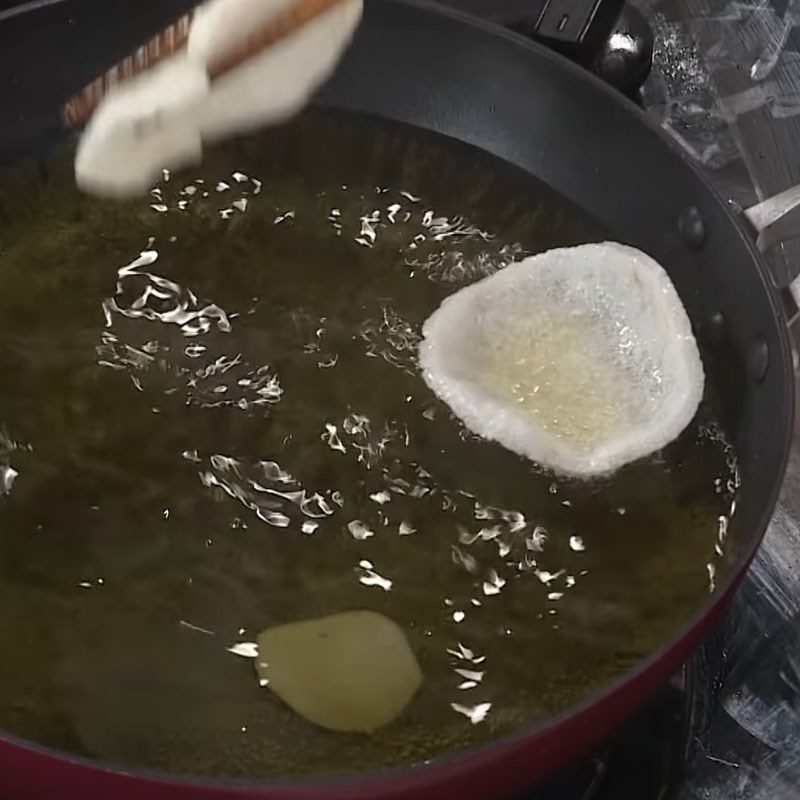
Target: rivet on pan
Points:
(692, 228)
(758, 359)
(716, 328)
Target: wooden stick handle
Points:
(80, 107)
(279, 27)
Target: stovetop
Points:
(726, 86)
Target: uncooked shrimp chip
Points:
(351, 672)
(581, 358)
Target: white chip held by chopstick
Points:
(581, 358)
(142, 127)
(351, 672)
(161, 118)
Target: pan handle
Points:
(609, 37)
(773, 221)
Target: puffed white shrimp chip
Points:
(580, 358)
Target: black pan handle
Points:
(626, 56)
(609, 37)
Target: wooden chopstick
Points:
(80, 107)
(281, 26)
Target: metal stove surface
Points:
(744, 739)
(726, 86)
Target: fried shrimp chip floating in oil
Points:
(580, 358)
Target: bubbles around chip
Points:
(582, 358)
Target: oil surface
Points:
(213, 422)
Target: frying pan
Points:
(488, 87)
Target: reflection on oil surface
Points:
(212, 423)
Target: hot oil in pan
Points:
(233, 434)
